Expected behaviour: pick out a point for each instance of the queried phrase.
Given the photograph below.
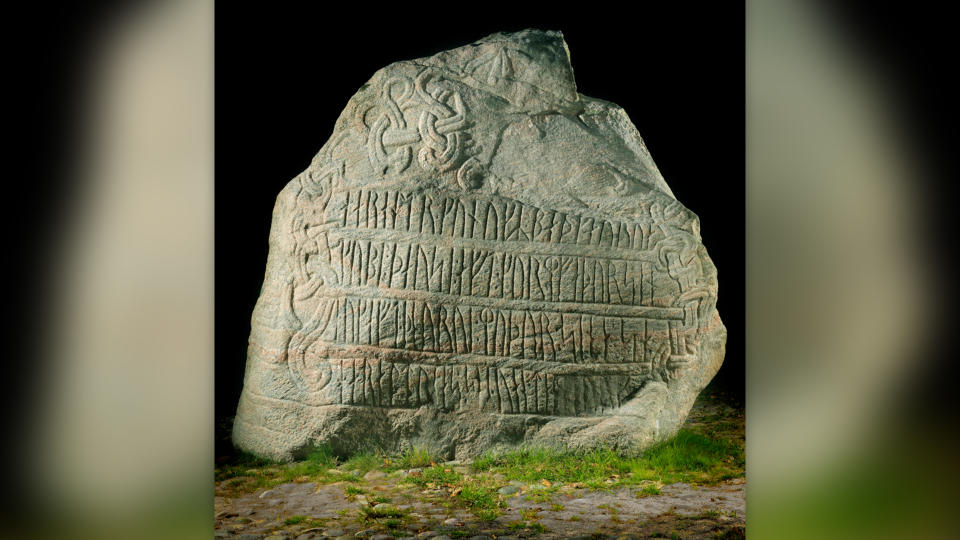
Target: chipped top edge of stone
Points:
(514, 37)
(522, 39)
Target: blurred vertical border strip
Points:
(120, 444)
(843, 294)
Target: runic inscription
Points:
(474, 281)
(379, 383)
(492, 219)
(479, 257)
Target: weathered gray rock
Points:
(479, 257)
(374, 475)
(508, 490)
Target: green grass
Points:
(478, 494)
(363, 463)
(488, 514)
(415, 458)
(249, 473)
(382, 511)
(293, 520)
(437, 476)
(530, 525)
(708, 450)
(689, 457)
(703, 456)
(478, 497)
(648, 490)
(541, 495)
(535, 464)
(354, 490)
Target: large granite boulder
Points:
(479, 257)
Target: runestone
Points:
(479, 257)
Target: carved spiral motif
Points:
(470, 175)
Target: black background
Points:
(284, 76)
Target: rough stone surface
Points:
(479, 257)
(693, 512)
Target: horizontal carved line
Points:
(332, 350)
(609, 310)
(290, 403)
(508, 246)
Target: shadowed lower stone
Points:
(479, 257)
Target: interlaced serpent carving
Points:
(311, 270)
(440, 120)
